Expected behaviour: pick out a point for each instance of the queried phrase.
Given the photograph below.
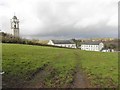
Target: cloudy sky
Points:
(61, 19)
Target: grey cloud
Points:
(69, 32)
(45, 19)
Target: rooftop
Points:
(63, 42)
(14, 17)
(91, 43)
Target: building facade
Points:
(15, 26)
(92, 46)
(62, 43)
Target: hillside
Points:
(40, 66)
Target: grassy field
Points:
(21, 63)
(101, 68)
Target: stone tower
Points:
(15, 26)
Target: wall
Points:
(66, 45)
(92, 47)
(50, 42)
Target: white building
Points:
(108, 50)
(15, 26)
(92, 46)
(62, 43)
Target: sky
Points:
(61, 19)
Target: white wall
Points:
(92, 47)
(15, 31)
(66, 45)
(101, 46)
(50, 42)
(62, 45)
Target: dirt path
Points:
(38, 80)
(80, 78)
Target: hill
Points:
(40, 66)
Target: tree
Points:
(112, 46)
(77, 42)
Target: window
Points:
(14, 26)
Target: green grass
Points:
(64, 66)
(22, 62)
(101, 67)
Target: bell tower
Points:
(15, 26)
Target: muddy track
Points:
(38, 80)
(80, 78)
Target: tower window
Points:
(14, 26)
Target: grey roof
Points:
(63, 42)
(91, 43)
(14, 17)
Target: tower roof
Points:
(14, 17)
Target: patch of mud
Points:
(38, 80)
(80, 80)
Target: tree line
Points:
(8, 38)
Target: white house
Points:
(108, 50)
(92, 46)
(62, 43)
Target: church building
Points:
(15, 26)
